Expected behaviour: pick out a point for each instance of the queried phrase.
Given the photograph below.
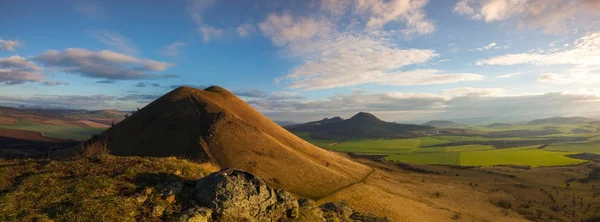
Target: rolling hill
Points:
(560, 120)
(442, 123)
(361, 125)
(213, 125)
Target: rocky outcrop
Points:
(236, 195)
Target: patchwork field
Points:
(55, 131)
(481, 150)
(583, 147)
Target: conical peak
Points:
(215, 89)
(365, 117)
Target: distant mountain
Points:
(361, 125)
(442, 123)
(499, 125)
(561, 120)
(326, 120)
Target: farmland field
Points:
(529, 156)
(477, 150)
(54, 131)
(378, 145)
(587, 147)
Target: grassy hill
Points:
(213, 125)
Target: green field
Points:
(431, 149)
(529, 156)
(53, 131)
(317, 142)
(450, 158)
(385, 146)
(587, 147)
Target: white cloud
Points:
(334, 53)
(451, 104)
(104, 64)
(196, 10)
(393, 101)
(283, 28)
(62, 101)
(18, 70)
(209, 33)
(470, 91)
(348, 60)
(376, 14)
(173, 49)
(18, 62)
(246, 29)
(585, 51)
(9, 45)
(115, 41)
(552, 16)
(408, 11)
(509, 75)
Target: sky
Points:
(302, 60)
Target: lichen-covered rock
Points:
(339, 210)
(196, 214)
(236, 195)
(309, 211)
(365, 217)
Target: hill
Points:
(560, 120)
(442, 123)
(284, 123)
(499, 125)
(361, 125)
(213, 125)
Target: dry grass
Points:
(89, 149)
(84, 190)
(479, 194)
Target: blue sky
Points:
(404, 60)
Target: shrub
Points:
(97, 147)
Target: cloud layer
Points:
(8, 45)
(18, 70)
(104, 64)
(552, 16)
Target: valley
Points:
(499, 172)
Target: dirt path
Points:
(345, 187)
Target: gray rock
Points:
(236, 195)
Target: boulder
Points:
(236, 195)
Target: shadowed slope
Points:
(214, 125)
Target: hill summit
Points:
(366, 118)
(213, 125)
